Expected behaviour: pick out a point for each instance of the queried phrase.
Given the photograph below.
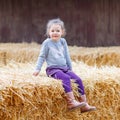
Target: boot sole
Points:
(80, 106)
(90, 110)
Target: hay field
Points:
(25, 97)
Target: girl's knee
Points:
(66, 77)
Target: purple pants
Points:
(65, 75)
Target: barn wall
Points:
(88, 22)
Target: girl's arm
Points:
(67, 55)
(41, 57)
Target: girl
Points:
(55, 52)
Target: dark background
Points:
(87, 22)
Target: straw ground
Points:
(24, 97)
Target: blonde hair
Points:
(58, 22)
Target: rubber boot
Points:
(86, 108)
(72, 103)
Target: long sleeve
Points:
(42, 56)
(67, 55)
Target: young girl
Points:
(55, 52)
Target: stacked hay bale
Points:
(24, 97)
(33, 101)
(97, 56)
(91, 56)
(21, 53)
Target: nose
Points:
(55, 32)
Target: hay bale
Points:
(21, 53)
(98, 56)
(24, 97)
(40, 98)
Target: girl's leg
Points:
(72, 103)
(65, 80)
(82, 97)
(78, 81)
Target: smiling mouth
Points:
(55, 36)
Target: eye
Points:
(58, 30)
(52, 30)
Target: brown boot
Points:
(72, 103)
(87, 108)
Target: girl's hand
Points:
(36, 73)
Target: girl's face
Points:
(55, 32)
